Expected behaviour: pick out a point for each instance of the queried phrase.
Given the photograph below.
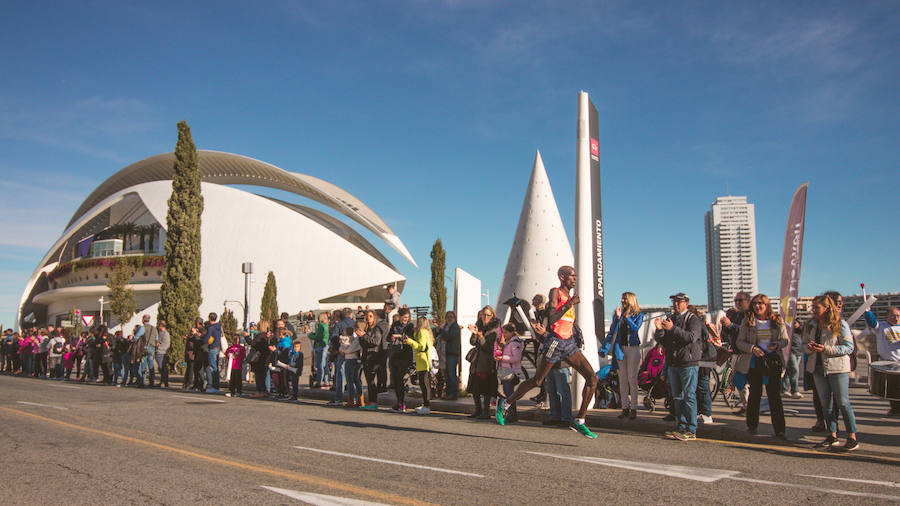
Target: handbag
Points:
(773, 363)
(505, 373)
(722, 355)
(470, 356)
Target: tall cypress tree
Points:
(229, 323)
(122, 303)
(180, 295)
(438, 290)
(268, 307)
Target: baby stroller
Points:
(650, 378)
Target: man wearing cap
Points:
(150, 341)
(680, 335)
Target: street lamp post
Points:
(487, 296)
(247, 269)
(101, 309)
(243, 307)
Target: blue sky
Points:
(431, 112)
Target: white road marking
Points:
(404, 464)
(193, 398)
(867, 482)
(63, 386)
(818, 489)
(711, 475)
(320, 499)
(703, 474)
(41, 405)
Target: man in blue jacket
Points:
(213, 337)
(680, 333)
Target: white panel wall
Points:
(467, 303)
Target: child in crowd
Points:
(69, 361)
(283, 342)
(295, 361)
(350, 349)
(236, 353)
(508, 354)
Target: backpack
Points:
(608, 392)
(709, 349)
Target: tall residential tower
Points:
(730, 251)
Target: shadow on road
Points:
(361, 425)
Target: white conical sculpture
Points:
(540, 246)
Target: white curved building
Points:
(318, 261)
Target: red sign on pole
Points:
(88, 320)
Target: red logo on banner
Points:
(595, 148)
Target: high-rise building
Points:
(730, 251)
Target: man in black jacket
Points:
(374, 347)
(450, 334)
(680, 335)
(731, 324)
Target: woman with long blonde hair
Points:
(626, 345)
(422, 342)
(829, 344)
(760, 340)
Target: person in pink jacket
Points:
(508, 354)
(236, 352)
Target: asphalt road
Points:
(80, 444)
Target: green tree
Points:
(438, 290)
(268, 307)
(229, 323)
(122, 304)
(180, 295)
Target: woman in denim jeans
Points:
(559, 396)
(829, 345)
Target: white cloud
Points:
(79, 126)
(41, 214)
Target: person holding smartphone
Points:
(829, 344)
(483, 371)
(401, 356)
(760, 340)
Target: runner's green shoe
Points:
(501, 411)
(582, 429)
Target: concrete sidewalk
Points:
(878, 434)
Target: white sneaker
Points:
(704, 419)
(423, 410)
(797, 395)
(227, 394)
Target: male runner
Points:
(559, 344)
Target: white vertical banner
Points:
(588, 238)
(466, 304)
